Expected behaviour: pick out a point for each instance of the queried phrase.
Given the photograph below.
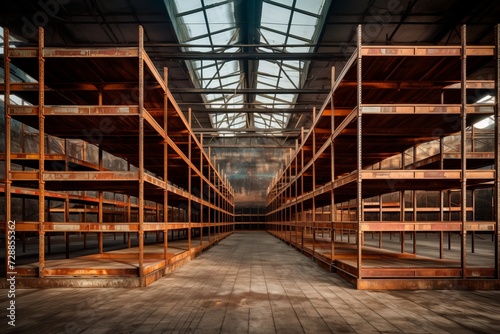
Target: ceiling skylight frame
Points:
(295, 75)
(299, 25)
(231, 80)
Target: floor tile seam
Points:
(289, 301)
(269, 300)
(353, 311)
(416, 317)
(315, 287)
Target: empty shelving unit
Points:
(104, 150)
(395, 185)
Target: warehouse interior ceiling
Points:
(251, 71)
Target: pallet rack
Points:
(386, 103)
(137, 168)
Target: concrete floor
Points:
(251, 283)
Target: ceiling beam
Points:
(251, 55)
(252, 135)
(254, 110)
(243, 145)
(247, 91)
(246, 130)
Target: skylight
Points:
(286, 26)
(489, 121)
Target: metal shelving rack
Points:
(387, 101)
(114, 101)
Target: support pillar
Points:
(359, 155)
(190, 189)
(41, 143)
(8, 182)
(332, 169)
(165, 168)
(140, 235)
(497, 153)
(463, 150)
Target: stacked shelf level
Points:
(113, 154)
(359, 172)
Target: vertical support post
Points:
(100, 208)
(290, 207)
(314, 187)
(99, 97)
(441, 199)
(497, 153)
(165, 168)
(41, 140)
(129, 213)
(201, 190)
(8, 182)
(190, 174)
(359, 153)
(296, 190)
(141, 153)
(66, 219)
(210, 191)
(220, 205)
(401, 203)
(333, 212)
(302, 213)
(380, 216)
(441, 218)
(463, 151)
(449, 218)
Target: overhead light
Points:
(486, 99)
(483, 124)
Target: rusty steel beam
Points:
(296, 183)
(7, 168)
(430, 51)
(463, 151)
(141, 152)
(114, 52)
(314, 185)
(303, 214)
(497, 152)
(359, 154)
(202, 156)
(41, 148)
(190, 171)
(165, 166)
(333, 210)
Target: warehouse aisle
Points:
(253, 283)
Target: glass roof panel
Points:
(223, 37)
(213, 2)
(275, 17)
(312, 6)
(228, 120)
(264, 82)
(276, 120)
(220, 17)
(283, 24)
(208, 72)
(212, 24)
(184, 6)
(195, 25)
(303, 25)
(199, 41)
(288, 3)
(295, 65)
(268, 67)
(228, 67)
(271, 37)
